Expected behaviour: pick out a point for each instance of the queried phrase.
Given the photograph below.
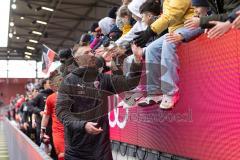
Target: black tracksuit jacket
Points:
(79, 103)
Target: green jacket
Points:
(221, 10)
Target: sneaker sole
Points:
(168, 108)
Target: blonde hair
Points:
(123, 11)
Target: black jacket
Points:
(233, 15)
(26, 113)
(78, 103)
(38, 103)
(221, 10)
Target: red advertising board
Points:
(205, 123)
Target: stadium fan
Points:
(133, 7)
(107, 31)
(161, 59)
(96, 35)
(201, 8)
(120, 22)
(150, 11)
(124, 19)
(218, 23)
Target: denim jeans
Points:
(162, 64)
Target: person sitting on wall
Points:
(162, 61)
(218, 23)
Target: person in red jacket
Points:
(57, 127)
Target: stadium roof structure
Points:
(56, 23)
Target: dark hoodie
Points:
(80, 100)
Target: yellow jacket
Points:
(175, 13)
(126, 28)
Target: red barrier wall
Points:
(205, 124)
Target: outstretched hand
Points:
(219, 29)
(192, 23)
(91, 128)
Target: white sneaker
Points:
(150, 100)
(130, 100)
(168, 102)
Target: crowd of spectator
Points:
(69, 109)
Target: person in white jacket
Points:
(134, 7)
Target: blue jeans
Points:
(162, 64)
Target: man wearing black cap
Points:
(218, 22)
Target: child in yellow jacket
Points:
(125, 15)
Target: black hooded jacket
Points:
(82, 98)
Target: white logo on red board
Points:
(116, 122)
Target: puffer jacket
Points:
(79, 103)
(126, 28)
